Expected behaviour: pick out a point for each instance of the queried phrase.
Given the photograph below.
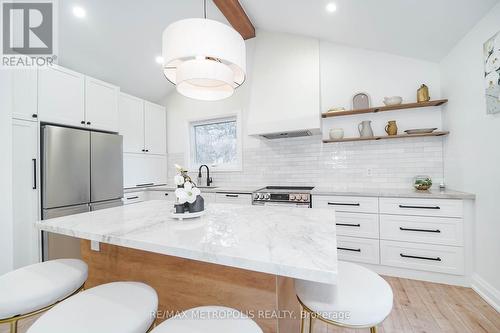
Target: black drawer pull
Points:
(34, 115)
(343, 204)
(420, 207)
(421, 230)
(232, 195)
(348, 225)
(417, 257)
(166, 194)
(348, 249)
(147, 184)
(131, 198)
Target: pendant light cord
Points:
(205, 8)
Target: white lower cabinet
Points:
(422, 229)
(134, 197)
(357, 225)
(161, 195)
(234, 198)
(358, 249)
(25, 185)
(427, 257)
(144, 170)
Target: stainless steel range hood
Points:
(292, 134)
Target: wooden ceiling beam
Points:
(235, 14)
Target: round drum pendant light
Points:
(205, 59)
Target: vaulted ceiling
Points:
(118, 40)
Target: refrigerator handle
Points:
(34, 173)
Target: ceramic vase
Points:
(391, 128)
(365, 129)
(197, 206)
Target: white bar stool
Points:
(360, 299)
(33, 289)
(208, 319)
(117, 307)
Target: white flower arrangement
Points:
(186, 191)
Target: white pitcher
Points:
(365, 129)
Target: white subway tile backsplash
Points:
(308, 161)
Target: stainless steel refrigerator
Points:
(81, 171)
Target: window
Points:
(216, 143)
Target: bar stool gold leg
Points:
(302, 322)
(373, 329)
(13, 326)
(310, 323)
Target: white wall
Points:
(472, 151)
(344, 71)
(6, 246)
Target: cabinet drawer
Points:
(161, 195)
(422, 229)
(234, 198)
(434, 258)
(358, 249)
(357, 224)
(133, 197)
(346, 203)
(423, 207)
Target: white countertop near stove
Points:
(296, 243)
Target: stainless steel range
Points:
(291, 196)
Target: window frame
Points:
(193, 166)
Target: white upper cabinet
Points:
(155, 133)
(24, 84)
(285, 85)
(141, 170)
(61, 96)
(101, 105)
(131, 123)
(143, 126)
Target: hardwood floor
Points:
(418, 307)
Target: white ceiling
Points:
(424, 29)
(119, 39)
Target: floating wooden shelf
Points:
(436, 133)
(385, 108)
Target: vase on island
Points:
(187, 196)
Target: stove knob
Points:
(267, 196)
(291, 197)
(256, 196)
(304, 197)
(261, 196)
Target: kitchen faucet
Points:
(209, 179)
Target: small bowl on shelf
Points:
(393, 100)
(336, 133)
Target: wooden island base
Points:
(182, 284)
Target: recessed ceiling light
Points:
(331, 7)
(159, 60)
(79, 12)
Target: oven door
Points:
(287, 204)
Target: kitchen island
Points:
(244, 257)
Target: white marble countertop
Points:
(398, 193)
(297, 243)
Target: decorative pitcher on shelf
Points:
(365, 129)
(391, 128)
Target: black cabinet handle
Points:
(34, 115)
(147, 184)
(131, 198)
(166, 194)
(421, 230)
(348, 225)
(348, 249)
(88, 123)
(417, 257)
(147, 150)
(34, 173)
(232, 195)
(343, 204)
(82, 122)
(144, 150)
(420, 207)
